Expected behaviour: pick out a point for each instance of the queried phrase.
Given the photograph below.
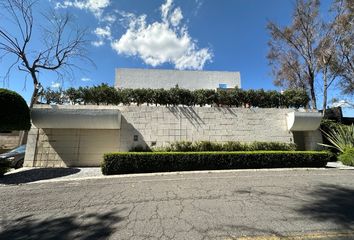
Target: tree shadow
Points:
(332, 203)
(36, 174)
(88, 226)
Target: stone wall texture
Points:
(9, 140)
(156, 126)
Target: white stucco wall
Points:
(158, 78)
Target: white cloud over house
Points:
(94, 6)
(165, 41)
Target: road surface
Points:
(292, 204)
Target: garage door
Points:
(76, 147)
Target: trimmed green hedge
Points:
(4, 167)
(14, 112)
(144, 162)
(230, 146)
(233, 97)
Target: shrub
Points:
(203, 146)
(347, 157)
(340, 136)
(14, 114)
(140, 148)
(235, 97)
(121, 163)
(4, 167)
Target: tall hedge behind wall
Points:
(235, 97)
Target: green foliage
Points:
(347, 157)
(295, 98)
(14, 111)
(140, 148)
(341, 137)
(235, 97)
(52, 96)
(121, 163)
(206, 146)
(4, 167)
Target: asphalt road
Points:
(304, 204)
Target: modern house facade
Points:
(166, 79)
(79, 135)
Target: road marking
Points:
(307, 236)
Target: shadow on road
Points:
(37, 174)
(332, 203)
(84, 227)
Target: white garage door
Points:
(77, 147)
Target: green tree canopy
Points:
(14, 111)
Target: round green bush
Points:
(14, 111)
(347, 157)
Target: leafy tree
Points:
(51, 96)
(292, 49)
(312, 49)
(14, 114)
(74, 95)
(343, 29)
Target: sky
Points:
(221, 35)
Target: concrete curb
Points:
(180, 173)
(98, 175)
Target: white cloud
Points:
(103, 32)
(94, 6)
(86, 79)
(176, 17)
(55, 85)
(165, 8)
(158, 43)
(98, 43)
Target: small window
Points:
(222, 85)
(136, 138)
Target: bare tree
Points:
(62, 43)
(343, 27)
(292, 49)
(311, 49)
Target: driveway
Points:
(305, 204)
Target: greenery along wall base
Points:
(145, 162)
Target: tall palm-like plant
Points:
(341, 137)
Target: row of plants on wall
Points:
(235, 97)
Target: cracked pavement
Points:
(185, 206)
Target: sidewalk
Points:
(31, 175)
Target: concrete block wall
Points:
(155, 126)
(162, 125)
(9, 140)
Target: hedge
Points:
(4, 167)
(14, 112)
(230, 146)
(128, 162)
(234, 97)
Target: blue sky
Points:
(219, 35)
